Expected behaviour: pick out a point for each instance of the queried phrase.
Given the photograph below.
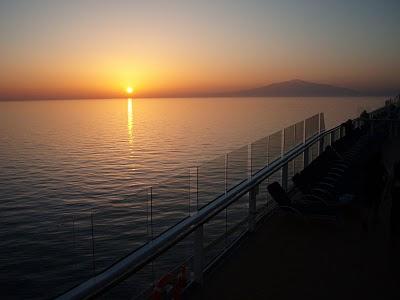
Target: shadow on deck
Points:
(288, 258)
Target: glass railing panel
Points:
(311, 126)
(322, 122)
(237, 169)
(215, 236)
(274, 146)
(299, 133)
(211, 180)
(121, 228)
(170, 202)
(259, 155)
(289, 138)
(237, 218)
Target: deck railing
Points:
(225, 199)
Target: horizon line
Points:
(186, 96)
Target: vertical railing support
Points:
(226, 173)
(306, 157)
(285, 176)
(321, 143)
(226, 190)
(93, 255)
(321, 139)
(73, 232)
(151, 212)
(319, 123)
(148, 215)
(371, 126)
(332, 137)
(253, 208)
(189, 193)
(249, 162)
(198, 255)
(197, 188)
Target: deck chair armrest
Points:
(314, 199)
(326, 184)
(331, 173)
(325, 192)
(338, 169)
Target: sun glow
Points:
(129, 90)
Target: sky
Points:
(89, 48)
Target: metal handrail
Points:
(148, 252)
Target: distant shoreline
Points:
(188, 97)
(295, 88)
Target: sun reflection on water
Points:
(130, 120)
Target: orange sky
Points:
(73, 49)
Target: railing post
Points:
(253, 208)
(226, 173)
(332, 137)
(189, 192)
(198, 255)
(249, 161)
(306, 157)
(151, 212)
(93, 251)
(197, 188)
(371, 127)
(321, 144)
(285, 176)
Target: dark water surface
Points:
(68, 165)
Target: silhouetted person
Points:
(364, 116)
(348, 126)
(395, 210)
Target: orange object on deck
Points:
(158, 289)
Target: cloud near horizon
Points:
(72, 49)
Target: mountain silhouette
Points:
(296, 88)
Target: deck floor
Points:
(287, 258)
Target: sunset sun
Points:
(129, 90)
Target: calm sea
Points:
(68, 165)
